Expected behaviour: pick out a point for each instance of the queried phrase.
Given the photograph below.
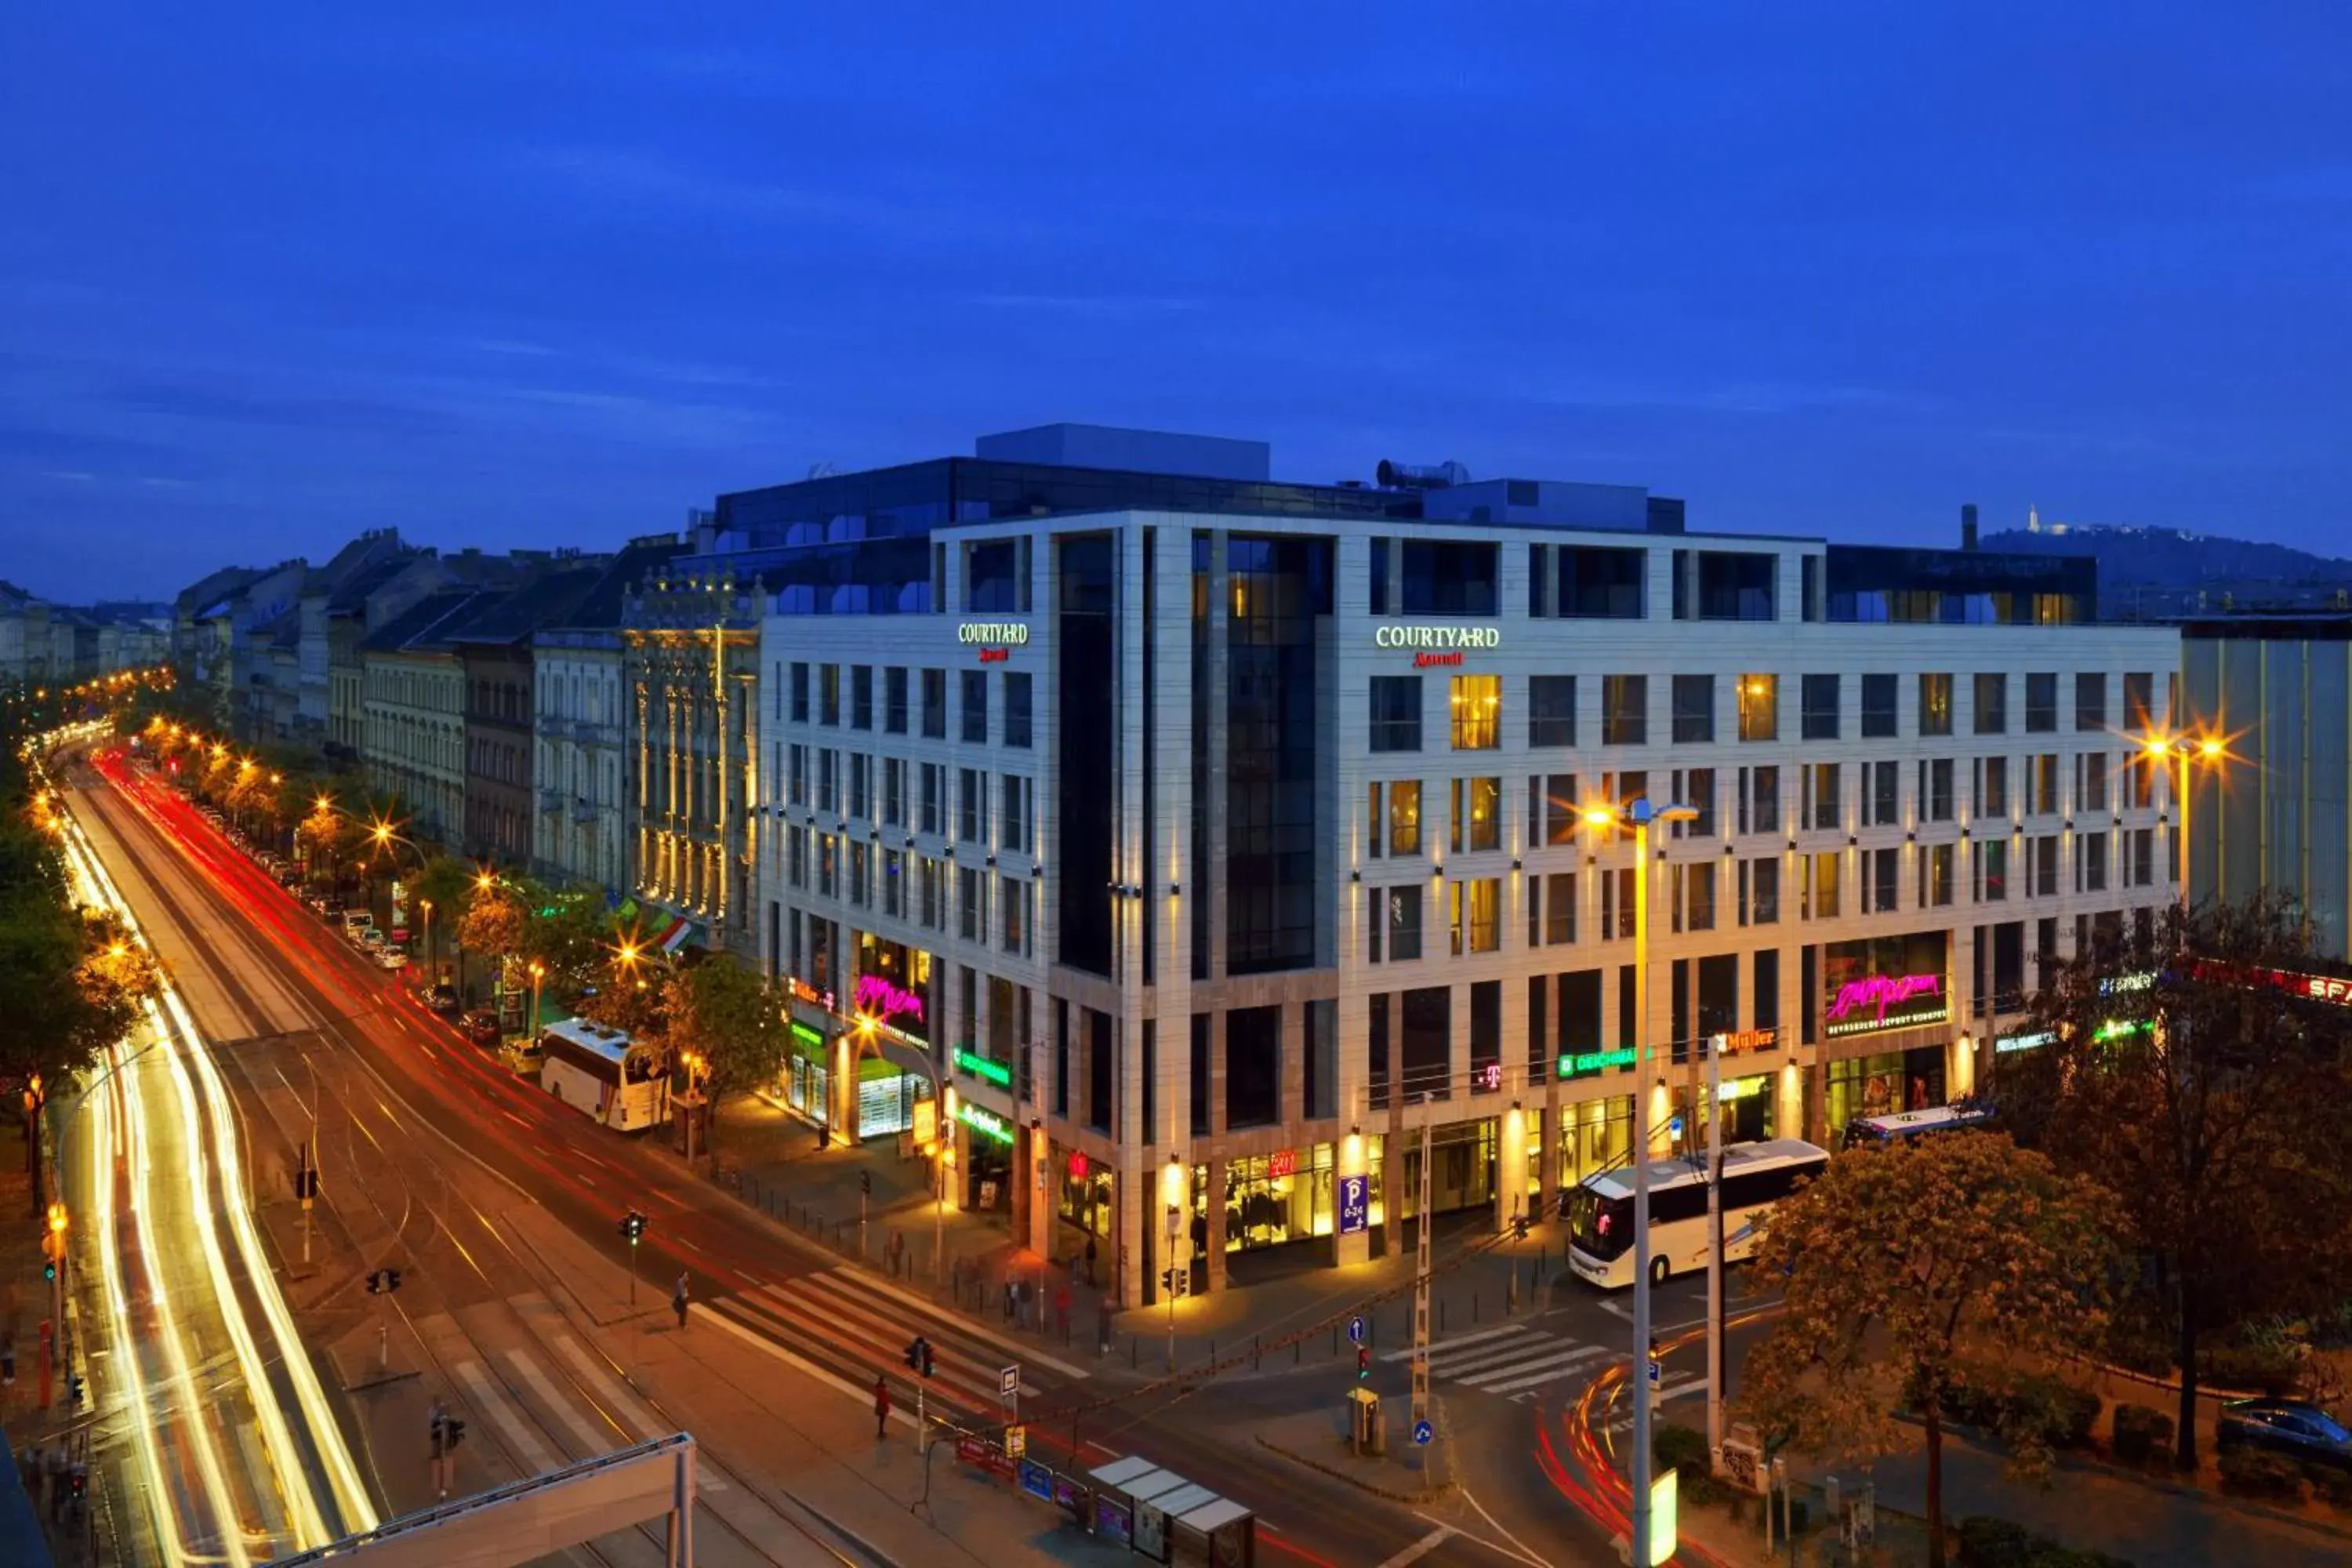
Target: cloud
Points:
(1096, 306)
(78, 476)
(360, 414)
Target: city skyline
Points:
(273, 293)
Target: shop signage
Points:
(1587, 1064)
(2116, 1028)
(805, 1035)
(995, 640)
(804, 992)
(972, 1450)
(874, 994)
(1355, 1205)
(1740, 1087)
(1747, 1041)
(927, 1123)
(2008, 1043)
(2330, 988)
(1490, 1077)
(985, 1122)
(1437, 639)
(1887, 1001)
(1282, 1162)
(980, 1066)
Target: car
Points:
(318, 903)
(372, 938)
(481, 1027)
(443, 999)
(356, 921)
(391, 958)
(2293, 1428)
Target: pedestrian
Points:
(881, 1408)
(677, 1298)
(1090, 1261)
(1012, 1298)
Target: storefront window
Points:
(1596, 1135)
(1748, 1114)
(1087, 1199)
(886, 1099)
(1864, 1085)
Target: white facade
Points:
(1960, 846)
(415, 737)
(577, 713)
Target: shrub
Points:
(2268, 1368)
(1680, 1448)
(1988, 1542)
(2332, 1486)
(2063, 1414)
(2142, 1435)
(2249, 1472)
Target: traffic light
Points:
(633, 1227)
(1518, 1227)
(927, 1356)
(866, 1183)
(1363, 1363)
(913, 1356)
(73, 1389)
(382, 1281)
(454, 1433)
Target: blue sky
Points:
(271, 274)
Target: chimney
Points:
(1968, 526)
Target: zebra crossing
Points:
(1518, 1361)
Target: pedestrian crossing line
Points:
(767, 1346)
(1563, 1366)
(836, 1298)
(1459, 1341)
(790, 1320)
(591, 1442)
(1479, 1362)
(492, 1403)
(972, 1366)
(1026, 1354)
(632, 1413)
(876, 1345)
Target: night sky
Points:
(269, 275)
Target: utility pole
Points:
(1421, 1274)
(1175, 1222)
(1715, 1251)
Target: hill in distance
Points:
(2171, 558)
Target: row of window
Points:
(821, 779)
(982, 907)
(563, 700)
(826, 685)
(1475, 708)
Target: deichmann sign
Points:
(1586, 1064)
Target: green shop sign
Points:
(980, 1066)
(985, 1122)
(1587, 1064)
(808, 1038)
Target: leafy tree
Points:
(1911, 1273)
(731, 1018)
(492, 925)
(326, 836)
(448, 884)
(627, 997)
(2193, 1075)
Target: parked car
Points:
(2293, 1429)
(356, 921)
(372, 939)
(391, 958)
(318, 903)
(443, 1000)
(481, 1027)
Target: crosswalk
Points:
(1518, 1361)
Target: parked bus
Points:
(1755, 1177)
(604, 1073)
(1883, 1131)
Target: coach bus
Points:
(604, 1073)
(1755, 1177)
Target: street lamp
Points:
(1641, 816)
(538, 973)
(2183, 750)
(425, 941)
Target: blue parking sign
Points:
(1355, 1205)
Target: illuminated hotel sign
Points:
(1887, 1001)
(987, 1123)
(1437, 645)
(981, 1066)
(1587, 1064)
(2010, 1043)
(995, 640)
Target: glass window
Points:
(1551, 710)
(1760, 891)
(894, 700)
(1936, 874)
(828, 688)
(1016, 707)
(1449, 577)
(1935, 789)
(1559, 908)
(1935, 704)
(1885, 806)
(1404, 817)
(1759, 707)
(2044, 801)
(1737, 585)
(800, 694)
(1821, 785)
(1883, 874)
(1694, 710)
(1992, 870)
(1379, 583)
(861, 697)
(1476, 909)
(2094, 781)
(935, 704)
(1403, 923)
(1992, 787)
(1396, 713)
(1595, 583)
(1821, 885)
(969, 805)
(974, 728)
(1820, 721)
(1693, 893)
(1765, 794)
(1992, 703)
(1624, 709)
(1478, 712)
(1477, 814)
(934, 786)
(2043, 870)
(2042, 703)
(1013, 819)
(2091, 700)
(1879, 707)
(2140, 703)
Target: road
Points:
(437, 1160)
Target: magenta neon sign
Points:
(1863, 1004)
(874, 993)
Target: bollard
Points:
(1297, 1350)
(1254, 1353)
(1440, 1314)
(1130, 1352)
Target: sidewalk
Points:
(25, 1305)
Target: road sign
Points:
(1016, 1442)
(1356, 1329)
(1655, 1364)
(1423, 1432)
(1008, 1382)
(1175, 1222)
(1355, 1205)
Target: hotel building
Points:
(1213, 860)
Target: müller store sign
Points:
(1437, 645)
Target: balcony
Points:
(584, 810)
(551, 800)
(585, 733)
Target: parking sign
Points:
(1355, 1205)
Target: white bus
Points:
(603, 1073)
(1755, 1177)
(1904, 1127)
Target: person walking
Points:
(678, 1300)
(881, 1408)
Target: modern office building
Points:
(1208, 855)
(2276, 811)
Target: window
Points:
(2090, 862)
(2140, 703)
(974, 729)
(2092, 790)
(2041, 704)
(861, 772)
(1478, 712)
(893, 792)
(1992, 870)
(1617, 904)
(1694, 710)
(2044, 801)
(894, 700)
(935, 704)
(1559, 908)
(1821, 791)
(1012, 818)
(1762, 791)
(2091, 700)
(796, 779)
(828, 865)
(860, 880)
(2139, 857)
(1759, 891)
(1883, 877)
(1992, 704)
(894, 878)
(1404, 817)
(800, 694)
(1935, 789)
(1551, 710)
(1477, 814)
(828, 796)
(1380, 585)
(1759, 707)
(1879, 707)
(1821, 885)
(1820, 721)
(1396, 919)
(970, 809)
(972, 904)
(1624, 709)
(1598, 584)
(1936, 862)
(1396, 712)
(2043, 873)
(1476, 909)
(828, 693)
(1696, 789)
(934, 786)
(2137, 782)
(1448, 577)
(1935, 704)
(1553, 814)
(1375, 823)
(861, 697)
(1694, 895)
(1012, 898)
(1737, 585)
(1885, 791)
(1016, 708)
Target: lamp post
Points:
(2182, 750)
(425, 941)
(538, 973)
(1641, 816)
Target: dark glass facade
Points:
(1086, 609)
(1278, 590)
(1959, 587)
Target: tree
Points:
(728, 1017)
(1915, 1271)
(568, 933)
(493, 923)
(627, 997)
(326, 835)
(2194, 1074)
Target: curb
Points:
(1393, 1494)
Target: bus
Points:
(603, 1073)
(1905, 1127)
(1755, 1177)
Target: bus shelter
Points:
(1166, 1519)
